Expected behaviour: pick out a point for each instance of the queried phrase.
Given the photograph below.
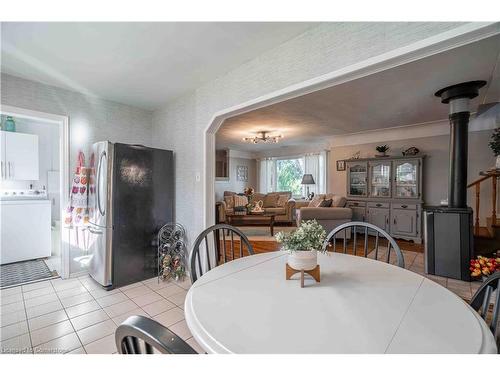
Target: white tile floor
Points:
(77, 316)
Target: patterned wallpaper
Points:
(91, 119)
(180, 124)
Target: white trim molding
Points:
(462, 35)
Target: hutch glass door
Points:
(406, 179)
(357, 178)
(380, 179)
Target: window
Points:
(285, 174)
(289, 174)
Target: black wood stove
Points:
(448, 230)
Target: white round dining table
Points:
(359, 306)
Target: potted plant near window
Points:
(495, 146)
(303, 244)
(382, 150)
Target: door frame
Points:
(64, 179)
(460, 36)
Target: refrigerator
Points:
(131, 196)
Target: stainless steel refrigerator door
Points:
(100, 265)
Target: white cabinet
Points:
(404, 222)
(387, 192)
(19, 156)
(378, 214)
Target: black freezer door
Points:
(143, 199)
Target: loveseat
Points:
(279, 203)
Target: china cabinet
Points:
(387, 192)
(357, 178)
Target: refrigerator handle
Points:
(99, 167)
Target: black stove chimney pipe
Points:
(458, 97)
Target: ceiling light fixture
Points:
(262, 137)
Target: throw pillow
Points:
(240, 200)
(282, 199)
(271, 200)
(326, 203)
(229, 199)
(316, 201)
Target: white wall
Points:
(233, 184)
(180, 124)
(91, 119)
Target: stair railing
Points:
(493, 175)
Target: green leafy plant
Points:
(309, 236)
(289, 175)
(495, 142)
(382, 148)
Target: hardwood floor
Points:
(267, 246)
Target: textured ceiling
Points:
(400, 96)
(142, 64)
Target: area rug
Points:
(23, 272)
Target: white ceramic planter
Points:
(303, 260)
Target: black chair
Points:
(352, 230)
(141, 335)
(217, 251)
(482, 298)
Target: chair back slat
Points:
(207, 252)
(365, 245)
(138, 332)
(354, 247)
(228, 233)
(482, 300)
(496, 312)
(379, 232)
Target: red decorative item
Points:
(483, 266)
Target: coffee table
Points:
(253, 219)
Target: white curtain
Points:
(267, 169)
(316, 165)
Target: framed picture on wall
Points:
(340, 165)
(242, 173)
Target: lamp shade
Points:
(308, 179)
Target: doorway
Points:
(34, 191)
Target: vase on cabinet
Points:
(497, 162)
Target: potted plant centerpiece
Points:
(303, 244)
(495, 146)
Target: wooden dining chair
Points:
(218, 244)
(353, 230)
(482, 299)
(141, 335)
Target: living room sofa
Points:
(280, 203)
(328, 217)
